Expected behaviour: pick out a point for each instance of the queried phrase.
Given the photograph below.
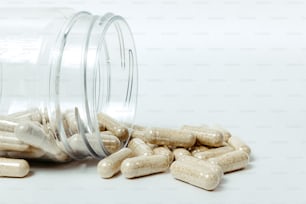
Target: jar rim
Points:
(104, 23)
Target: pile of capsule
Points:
(198, 155)
(29, 135)
(26, 135)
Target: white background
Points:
(240, 64)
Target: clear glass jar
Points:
(60, 60)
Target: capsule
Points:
(195, 174)
(226, 134)
(9, 137)
(110, 142)
(14, 167)
(194, 128)
(193, 160)
(45, 116)
(139, 127)
(140, 148)
(164, 151)
(106, 133)
(32, 114)
(78, 145)
(9, 142)
(169, 137)
(179, 152)
(48, 127)
(61, 157)
(31, 153)
(238, 144)
(114, 126)
(50, 130)
(144, 165)
(14, 147)
(139, 134)
(32, 134)
(110, 165)
(231, 161)
(152, 146)
(70, 123)
(197, 149)
(206, 136)
(8, 125)
(213, 152)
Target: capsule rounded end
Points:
(105, 168)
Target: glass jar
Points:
(61, 61)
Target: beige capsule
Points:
(9, 142)
(32, 134)
(138, 134)
(45, 116)
(231, 161)
(110, 165)
(238, 144)
(164, 151)
(70, 123)
(78, 145)
(169, 137)
(14, 147)
(9, 137)
(194, 127)
(144, 165)
(14, 167)
(31, 114)
(106, 133)
(193, 160)
(60, 155)
(197, 149)
(140, 148)
(118, 129)
(49, 128)
(139, 127)
(226, 134)
(213, 152)
(152, 146)
(206, 136)
(31, 153)
(8, 125)
(179, 152)
(195, 174)
(110, 142)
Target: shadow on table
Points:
(63, 166)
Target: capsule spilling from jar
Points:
(165, 136)
(14, 167)
(196, 172)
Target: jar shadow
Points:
(53, 166)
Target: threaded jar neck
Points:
(93, 69)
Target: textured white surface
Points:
(237, 63)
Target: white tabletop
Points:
(275, 175)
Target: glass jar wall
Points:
(70, 66)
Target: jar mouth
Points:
(93, 69)
(118, 64)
